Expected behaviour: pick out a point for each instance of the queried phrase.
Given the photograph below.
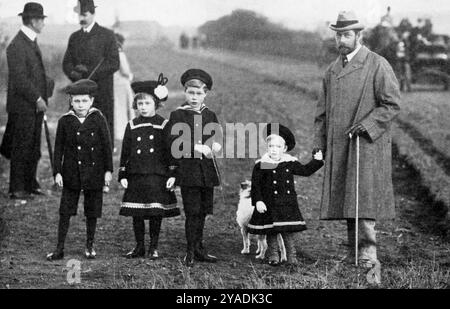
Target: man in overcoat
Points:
(360, 96)
(26, 103)
(93, 47)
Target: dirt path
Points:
(412, 252)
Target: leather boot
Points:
(137, 252)
(91, 224)
(191, 239)
(291, 252)
(155, 228)
(63, 228)
(272, 250)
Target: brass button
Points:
(79, 147)
(152, 150)
(152, 137)
(138, 151)
(79, 162)
(139, 139)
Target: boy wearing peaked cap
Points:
(145, 170)
(83, 162)
(197, 173)
(273, 192)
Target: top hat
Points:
(197, 74)
(82, 87)
(282, 131)
(33, 9)
(347, 20)
(84, 6)
(155, 88)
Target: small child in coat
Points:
(145, 169)
(82, 162)
(197, 173)
(273, 192)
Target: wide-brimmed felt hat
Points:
(197, 74)
(284, 132)
(82, 87)
(33, 9)
(155, 88)
(347, 20)
(84, 6)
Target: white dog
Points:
(243, 215)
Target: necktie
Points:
(344, 61)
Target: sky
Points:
(294, 14)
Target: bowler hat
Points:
(347, 20)
(84, 6)
(197, 74)
(155, 88)
(83, 86)
(33, 9)
(284, 132)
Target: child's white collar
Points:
(284, 158)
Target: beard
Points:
(83, 22)
(345, 49)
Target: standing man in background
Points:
(93, 47)
(360, 96)
(26, 104)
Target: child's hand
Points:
(59, 180)
(170, 183)
(108, 178)
(124, 182)
(203, 149)
(216, 147)
(318, 155)
(261, 207)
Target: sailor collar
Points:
(187, 107)
(156, 122)
(91, 111)
(265, 159)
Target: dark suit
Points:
(89, 49)
(22, 139)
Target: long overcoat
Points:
(366, 91)
(89, 49)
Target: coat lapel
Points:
(355, 64)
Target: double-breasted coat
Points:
(366, 91)
(83, 152)
(27, 82)
(188, 128)
(273, 183)
(145, 163)
(89, 49)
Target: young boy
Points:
(273, 192)
(83, 162)
(196, 173)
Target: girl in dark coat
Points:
(273, 192)
(145, 167)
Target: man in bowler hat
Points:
(93, 47)
(27, 101)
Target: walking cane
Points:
(357, 199)
(218, 175)
(49, 143)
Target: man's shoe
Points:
(56, 255)
(138, 252)
(90, 253)
(20, 195)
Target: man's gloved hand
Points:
(357, 129)
(41, 106)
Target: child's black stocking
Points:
(139, 230)
(154, 228)
(91, 225)
(63, 228)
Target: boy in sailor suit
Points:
(83, 162)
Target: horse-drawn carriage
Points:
(413, 59)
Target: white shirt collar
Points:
(353, 53)
(88, 29)
(29, 32)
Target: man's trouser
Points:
(367, 243)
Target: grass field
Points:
(413, 253)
